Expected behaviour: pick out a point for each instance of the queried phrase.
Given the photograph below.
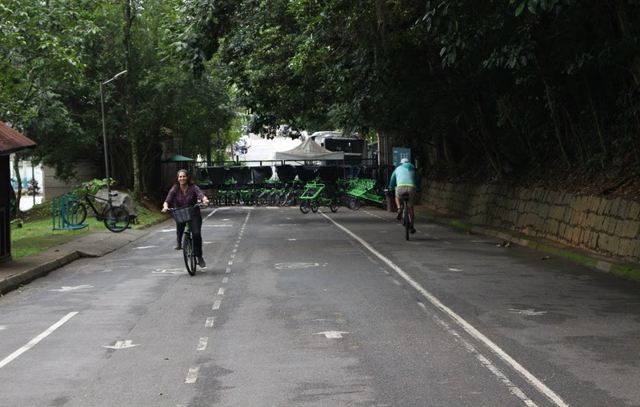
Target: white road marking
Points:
(192, 376)
(234, 250)
(466, 326)
(168, 271)
(122, 345)
(230, 262)
(3, 327)
(225, 280)
(228, 270)
(527, 312)
(233, 256)
(515, 390)
(209, 322)
(216, 305)
(202, 344)
(298, 265)
(292, 240)
(332, 334)
(168, 230)
(454, 269)
(144, 247)
(221, 291)
(37, 339)
(65, 288)
(223, 225)
(396, 282)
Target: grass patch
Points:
(32, 232)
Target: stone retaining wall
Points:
(607, 226)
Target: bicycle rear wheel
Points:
(116, 219)
(75, 213)
(187, 253)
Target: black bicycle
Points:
(184, 215)
(116, 218)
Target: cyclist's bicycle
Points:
(116, 218)
(184, 215)
(407, 222)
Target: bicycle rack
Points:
(62, 219)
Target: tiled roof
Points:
(12, 140)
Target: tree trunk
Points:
(129, 16)
(16, 169)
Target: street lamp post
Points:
(104, 130)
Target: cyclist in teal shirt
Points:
(405, 180)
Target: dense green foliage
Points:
(58, 52)
(490, 87)
(501, 87)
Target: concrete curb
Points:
(24, 277)
(13, 275)
(591, 260)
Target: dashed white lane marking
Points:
(192, 376)
(233, 256)
(228, 270)
(234, 250)
(202, 343)
(461, 322)
(37, 339)
(216, 305)
(230, 263)
(209, 322)
(221, 291)
(225, 280)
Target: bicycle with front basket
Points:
(184, 215)
(116, 218)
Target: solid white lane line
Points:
(209, 322)
(216, 305)
(470, 329)
(202, 344)
(221, 291)
(513, 389)
(37, 339)
(192, 376)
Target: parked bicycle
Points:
(116, 218)
(183, 215)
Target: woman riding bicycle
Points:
(182, 194)
(405, 180)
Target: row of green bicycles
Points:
(308, 196)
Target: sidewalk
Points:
(618, 267)
(13, 274)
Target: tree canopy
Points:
(486, 87)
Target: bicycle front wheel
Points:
(116, 219)
(187, 253)
(304, 207)
(75, 213)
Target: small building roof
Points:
(12, 140)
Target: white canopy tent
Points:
(309, 150)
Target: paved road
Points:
(321, 310)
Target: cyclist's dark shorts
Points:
(410, 190)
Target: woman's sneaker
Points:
(201, 262)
